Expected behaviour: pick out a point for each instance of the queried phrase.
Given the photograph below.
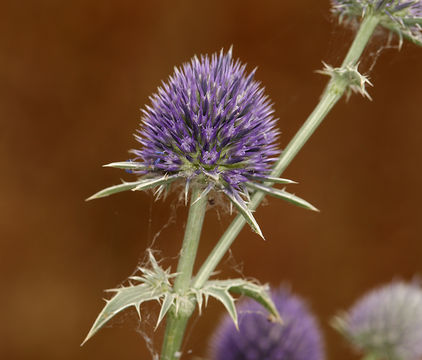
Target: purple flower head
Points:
(211, 127)
(298, 338)
(386, 322)
(210, 123)
(401, 16)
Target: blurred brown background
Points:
(73, 75)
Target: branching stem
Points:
(332, 93)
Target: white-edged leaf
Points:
(114, 189)
(165, 307)
(226, 299)
(124, 298)
(282, 194)
(150, 183)
(259, 293)
(246, 213)
(129, 165)
(274, 180)
(142, 184)
(154, 284)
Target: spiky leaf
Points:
(274, 180)
(154, 284)
(124, 298)
(247, 288)
(128, 165)
(168, 302)
(225, 298)
(246, 213)
(142, 184)
(282, 194)
(114, 189)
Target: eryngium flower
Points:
(386, 322)
(298, 338)
(211, 123)
(401, 16)
(210, 126)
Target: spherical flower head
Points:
(211, 127)
(401, 16)
(210, 124)
(386, 322)
(298, 338)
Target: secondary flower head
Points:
(212, 127)
(298, 338)
(386, 322)
(401, 16)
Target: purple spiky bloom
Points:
(386, 322)
(210, 123)
(400, 16)
(298, 338)
(210, 126)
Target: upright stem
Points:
(370, 356)
(332, 93)
(176, 322)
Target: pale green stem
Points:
(176, 323)
(370, 356)
(332, 93)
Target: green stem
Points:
(370, 356)
(176, 322)
(332, 93)
(365, 32)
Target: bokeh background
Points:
(73, 76)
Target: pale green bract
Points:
(154, 284)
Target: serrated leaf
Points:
(165, 307)
(129, 165)
(114, 189)
(124, 298)
(259, 294)
(273, 180)
(246, 213)
(283, 194)
(154, 285)
(226, 299)
(247, 288)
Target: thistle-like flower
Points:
(401, 16)
(386, 323)
(298, 338)
(210, 126)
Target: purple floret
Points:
(396, 15)
(209, 123)
(386, 322)
(412, 7)
(298, 338)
